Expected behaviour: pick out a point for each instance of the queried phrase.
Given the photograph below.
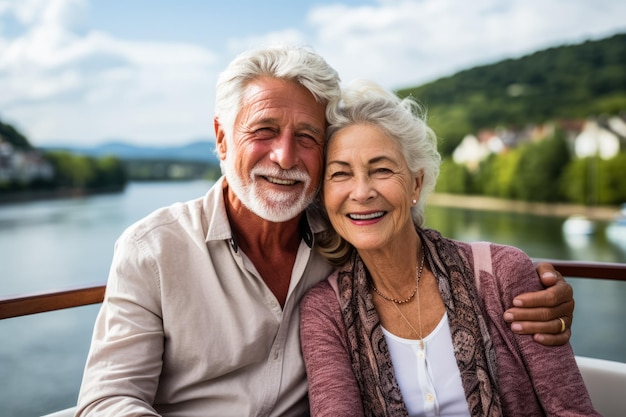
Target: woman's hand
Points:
(546, 314)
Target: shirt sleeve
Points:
(551, 372)
(333, 389)
(125, 359)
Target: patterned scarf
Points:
(473, 349)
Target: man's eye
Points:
(309, 139)
(264, 132)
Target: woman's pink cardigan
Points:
(533, 379)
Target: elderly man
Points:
(201, 311)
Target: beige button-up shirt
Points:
(189, 328)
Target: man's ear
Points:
(220, 139)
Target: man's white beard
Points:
(272, 206)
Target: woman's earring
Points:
(414, 201)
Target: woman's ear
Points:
(220, 140)
(417, 186)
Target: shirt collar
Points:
(219, 227)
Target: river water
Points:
(57, 244)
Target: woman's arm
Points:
(333, 389)
(551, 371)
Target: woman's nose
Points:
(362, 190)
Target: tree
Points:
(14, 137)
(539, 170)
(453, 178)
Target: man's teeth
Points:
(367, 216)
(280, 182)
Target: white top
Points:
(429, 379)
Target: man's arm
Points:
(122, 370)
(544, 313)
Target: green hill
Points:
(570, 81)
(9, 134)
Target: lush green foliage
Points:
(567, 82)
(574, 81)
(541, 171)
(539, 168)
(594, 181)
(71, 171)
(453, 178)
(83, 172)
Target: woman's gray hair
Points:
(403, 120)
(293, 63)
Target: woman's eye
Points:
(382, 173)
(338, 174)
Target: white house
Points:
(23, 166)
(472, 150)
(601, 139)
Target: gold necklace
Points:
(419, 310)
(395, 300)
(419, 318)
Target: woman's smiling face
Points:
(368, 188)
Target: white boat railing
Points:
(606, 383)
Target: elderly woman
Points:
(411, 322)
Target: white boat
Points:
(616, 230)
(578, 225)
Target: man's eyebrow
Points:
(264, 120)
(303, 126)
(312, 128)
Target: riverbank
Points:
(55, 194)
(599, 213)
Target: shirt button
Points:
(420, 354)
(430, 397)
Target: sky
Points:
(86, 72)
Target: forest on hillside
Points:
(556, 85)
(565, 82)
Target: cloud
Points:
(77, 88)
(287, 36)
(402, 43)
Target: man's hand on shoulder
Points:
(546, 314)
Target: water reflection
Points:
(538, 236)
